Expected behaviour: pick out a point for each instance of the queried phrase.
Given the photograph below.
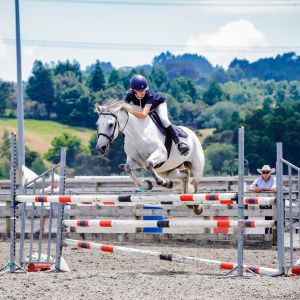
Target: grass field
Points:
(204, 133)
(39, 134)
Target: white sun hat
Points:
(266, 168)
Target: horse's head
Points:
(107, 128)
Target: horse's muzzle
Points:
(102, 149)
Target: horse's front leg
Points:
(157, 157)
(130, 165)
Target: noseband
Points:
(111, 138)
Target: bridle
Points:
(111, 137)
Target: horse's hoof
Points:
(169, 184)
(121, 166)
(197, 210)
(166, 184)
(150, 185)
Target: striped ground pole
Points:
(110, 200)
(168, 257)
(167, 223)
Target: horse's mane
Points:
(114, 105)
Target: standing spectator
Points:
(266, 182)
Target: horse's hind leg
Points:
(185, 181)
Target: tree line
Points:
(198, 95)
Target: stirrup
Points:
(183, 148)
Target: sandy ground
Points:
(96, 275)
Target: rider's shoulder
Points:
(130, 92)
(157, 96)
(151, 94)
(129, 95)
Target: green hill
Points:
(39, 134)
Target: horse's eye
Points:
(110, 125)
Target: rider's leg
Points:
(162, 111)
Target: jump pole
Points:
(188, 224)
(168, 257)
(124, 200)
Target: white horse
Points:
(145, 147)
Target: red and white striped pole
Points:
(162, 199)
(168, 257)
(189, 224)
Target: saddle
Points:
(168, 141)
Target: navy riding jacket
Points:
(150, 98)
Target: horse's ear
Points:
(98, 108)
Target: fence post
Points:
(7, 218)
(280, 208)
(241, 202)
(60, 215)
(13, 191)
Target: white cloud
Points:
(235, 39)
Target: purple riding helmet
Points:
(138, 83)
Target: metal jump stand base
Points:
(11, 265)
(240, 276)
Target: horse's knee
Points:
(127, 168)
(149, 165)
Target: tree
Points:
(40, 87)
(220, 157)
(114, 78)
(89, 165)
(213, 94)
(73, 145)
(67, 66)
(4, 169)
(97, 79)
(5, 156)
(5, 146)
(159, 77)
(74, 103)
(6, 96)
(182, 87)
(33, 161)
(222, 116)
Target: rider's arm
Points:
(254, 186)
(142, 114)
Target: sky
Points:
(131, 33)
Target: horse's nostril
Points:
(102, 149)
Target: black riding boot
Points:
(183, 148)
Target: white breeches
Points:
(162, 111)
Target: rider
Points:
(140, 94)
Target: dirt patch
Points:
(95, 275)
